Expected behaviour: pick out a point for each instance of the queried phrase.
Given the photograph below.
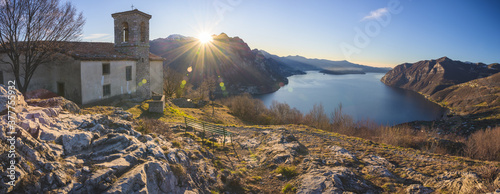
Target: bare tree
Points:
(32, 31)
(172, 82)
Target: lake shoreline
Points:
(363, 96)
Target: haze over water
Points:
(362, 97)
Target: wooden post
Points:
(203, 136)
(185, 121)
(224, 142)
(213, 144)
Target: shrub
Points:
(289, 188)
(282, 113)
(317, 117)
(488, 173)
(148, 125)
(178, 171)
(249, 109)
(401, 136)
(176, 144)
(287, 171)
(484, 144)
(342, 123)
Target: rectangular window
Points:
(128, 73)
(106, 69)
(60, 89)
(1, 77)
(106, 90)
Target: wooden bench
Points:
(204, 127)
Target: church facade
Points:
(87, 72)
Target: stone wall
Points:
(135, 46)
(157, 104)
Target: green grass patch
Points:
(289, 188)
(255, 179)
(176, 144)
(286, 171)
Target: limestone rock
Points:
(418, 189)
(377, 161)
(55, 102)
(76, 142)
(339, 151)
(332, 180)
(378, 171)
(151, 177)
(16, 97)
(281, 147)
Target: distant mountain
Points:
(430, 76)
(228, 58)
(325, 66)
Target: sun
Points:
(205, 38)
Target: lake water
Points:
(362, 97)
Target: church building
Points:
(88, 72)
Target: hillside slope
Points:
(228, 58)
(472, 97)
(115, 153)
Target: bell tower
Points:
(132, 38)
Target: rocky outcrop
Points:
(332, 180)
(281, 148)
(55, 102)
(11, 98)
(418, 189)
(57, 151)
(430, 76)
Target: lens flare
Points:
(205, 38)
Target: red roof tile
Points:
(99, 51)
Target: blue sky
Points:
(377, 33)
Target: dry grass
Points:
(149, 125)
(481, 145)
(484, 144)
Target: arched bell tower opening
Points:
(132, 38)
(125, 33)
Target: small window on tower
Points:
(125, 33)
(128, 73)
(106, 90)
(106, 69)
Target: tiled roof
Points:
(94, 51)
(98, 51)
(87, 51)
(153, 57)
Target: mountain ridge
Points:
(430, 76)
(325, 65)
(241, 69)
